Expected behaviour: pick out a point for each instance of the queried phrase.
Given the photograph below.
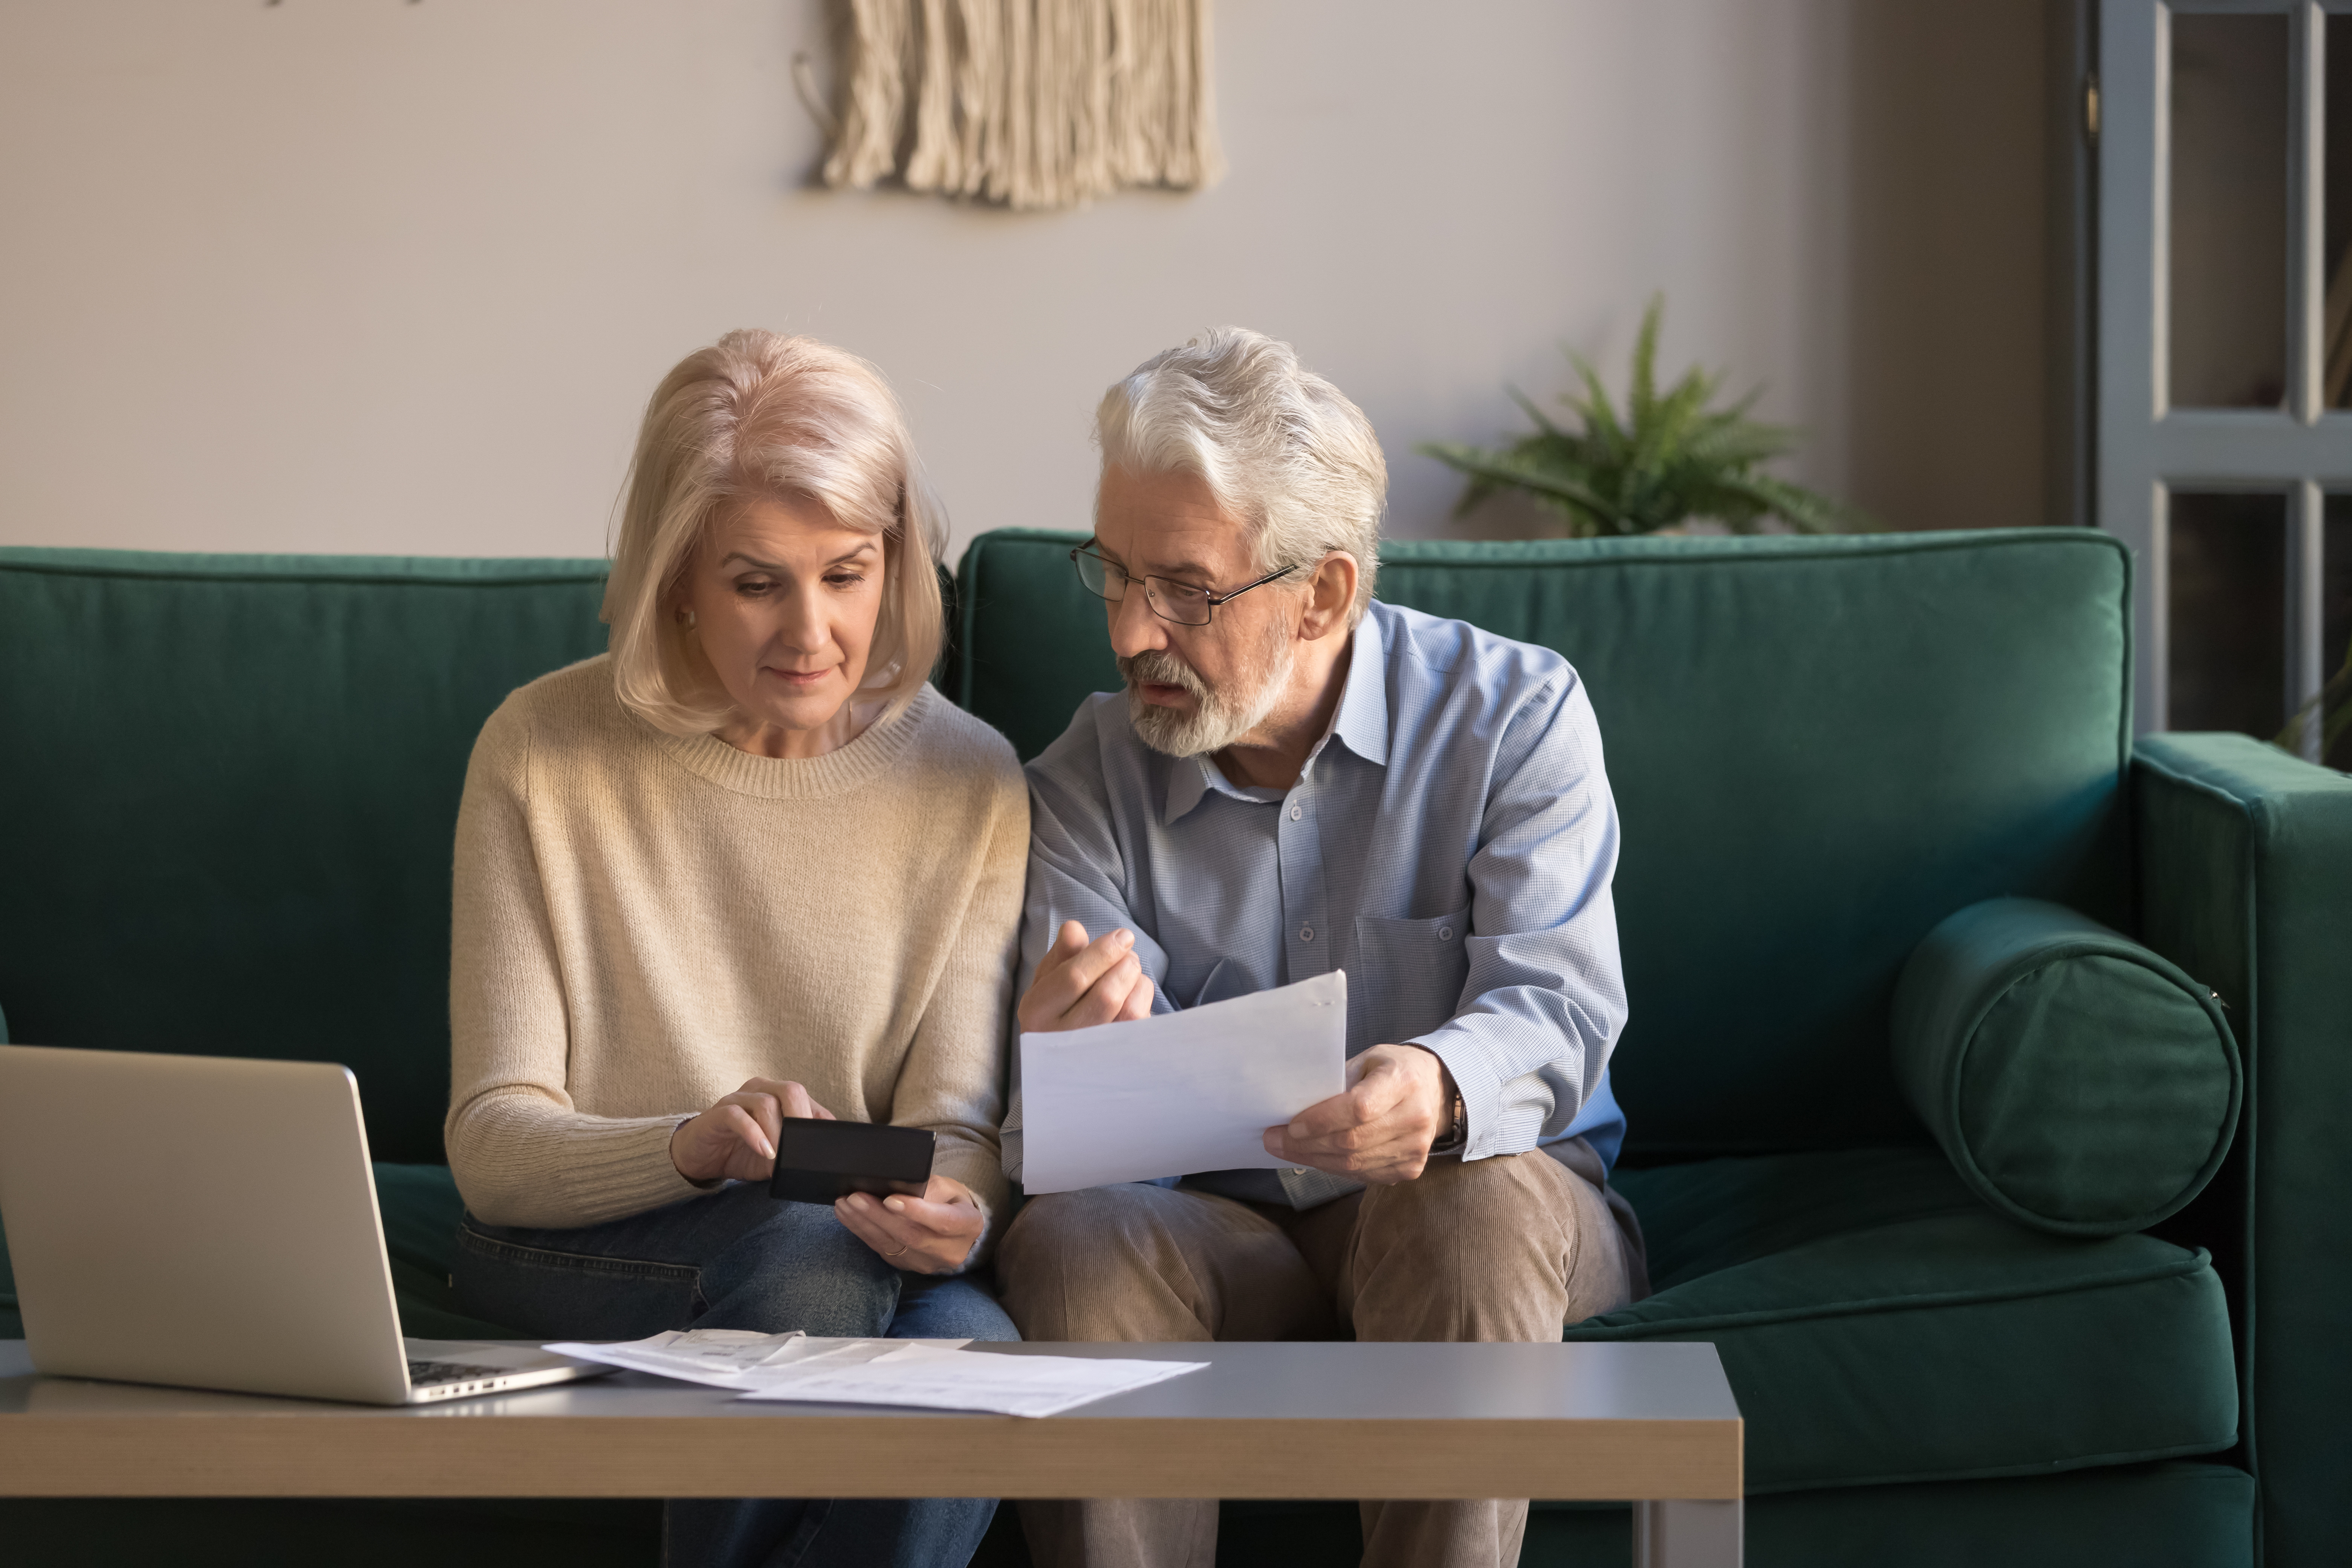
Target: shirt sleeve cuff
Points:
(1481, 1092)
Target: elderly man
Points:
(1299, 779)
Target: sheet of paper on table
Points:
(1178, 1093)
(922, 1374)
(936, 1375)
(732, 1358)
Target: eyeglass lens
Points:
(1175, 602)
(1185, 606)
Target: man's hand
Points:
(1398, 1100)
(1080, 983)
(737, 1137)
(930, 1234)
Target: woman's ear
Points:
(1331, 594)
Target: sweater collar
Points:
(836, 773)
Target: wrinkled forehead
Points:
(783, 526)
(1170, 525)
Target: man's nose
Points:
(1134, 629)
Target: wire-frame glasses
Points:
(1180, 602)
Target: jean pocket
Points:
(590, 1264)
(1410, 974)
(557, 1293)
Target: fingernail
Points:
(1126, 937)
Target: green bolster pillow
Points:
(2079, 1083)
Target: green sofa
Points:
(225, 828)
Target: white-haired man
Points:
(1298, 779)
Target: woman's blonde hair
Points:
(759, 415)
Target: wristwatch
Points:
(1459, 1133)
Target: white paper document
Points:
(934, 1374)
(734, 1358)
(1179, 1092)
(935, 1379)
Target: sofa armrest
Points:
(2244, 859)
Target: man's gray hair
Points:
(1278, 446)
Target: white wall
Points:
(365, 276)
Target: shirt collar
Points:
(1188, 781)
(1363, 720)
(1362, 723)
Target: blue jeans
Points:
(740, 1259)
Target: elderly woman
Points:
(747, 865)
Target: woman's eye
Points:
(751, 587)
(846, 579)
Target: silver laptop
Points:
(211, 1222)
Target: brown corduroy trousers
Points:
(1507, 1248)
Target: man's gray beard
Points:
(1219, 718)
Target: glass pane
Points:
(2335, 613)
(2227, 663)
(2335, 251)
(2228, 311)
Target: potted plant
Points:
(1670, 459)
(2330, 707)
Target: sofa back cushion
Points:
(232, 783)
(1819, 748)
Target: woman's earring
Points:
(686, 619)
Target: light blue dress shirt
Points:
(1449, 845)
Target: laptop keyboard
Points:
(425, 1372)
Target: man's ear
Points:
(1331, 594)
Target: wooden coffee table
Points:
(1653, 1424)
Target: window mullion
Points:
(2307, 283)
(2306, 561)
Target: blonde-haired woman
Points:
(747, 865)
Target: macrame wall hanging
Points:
(1032, 103)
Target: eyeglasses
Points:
(1171, 601)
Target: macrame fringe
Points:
(1032, 103)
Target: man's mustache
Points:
(1157, 666)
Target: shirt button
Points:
(1445, 934)
(1296, 812)
(1306, 933)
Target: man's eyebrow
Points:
(1183, 568)
(1193, 567)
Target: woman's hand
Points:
(930, 1234)
(737, 1137)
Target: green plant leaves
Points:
(2331, 705)
(1670, 458)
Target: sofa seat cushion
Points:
(1877, 1325)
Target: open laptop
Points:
(211, 1222)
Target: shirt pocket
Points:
(1408, 975)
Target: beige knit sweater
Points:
(643, 921)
